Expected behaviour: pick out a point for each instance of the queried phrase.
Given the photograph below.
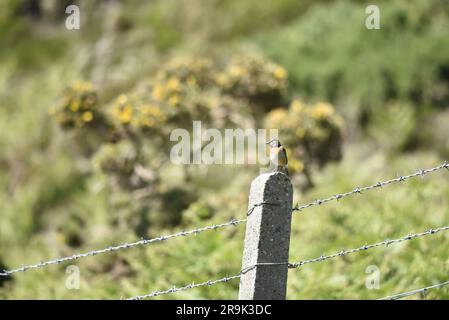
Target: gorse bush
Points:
(312, 133)
(189, 70)
(130, 113)
(79, 112)
(77, 106)
(234, 93)
(252, 77)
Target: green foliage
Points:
(158, 65)
(331, 55)
(118, 158)
(398, 120)
(312, 133)
(256, 79)
(188, 89)
(433, 135)
(197, 212)
(77, 106)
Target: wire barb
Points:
(446, 165)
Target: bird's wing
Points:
(284, 153)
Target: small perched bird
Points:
(278, 156)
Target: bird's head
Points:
(274, 143)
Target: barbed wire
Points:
(341, 253)
(126, 245)
(358, 190)
(187, 287)
(413, 292)
(294, 265)
(344, 252)
(232, 222)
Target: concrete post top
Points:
(271, 186)
(272, 177)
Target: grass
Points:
(393, 211)
(51, 206)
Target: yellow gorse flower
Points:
(87, 116)
(280, 73)
(237, 71)
(322, 110)
(150, 110)
(74, 105)
(297, 106)
(122, 99)
(221, 79)
(276, 118)
(158, 92)
(82, 86)
(124, 114)
(149, 122)
(173, 100)
(173, 84)
(213, 102)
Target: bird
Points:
(278, 156)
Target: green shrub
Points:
(313, 134)
(77, 107)
(331, 55)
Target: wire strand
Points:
(233, 222)
(344, 252)
(413, 292)
(359, 190)
(189, 286)
(127, 245)
(292, 265)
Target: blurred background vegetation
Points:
(85, 118)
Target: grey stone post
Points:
(267, 238)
